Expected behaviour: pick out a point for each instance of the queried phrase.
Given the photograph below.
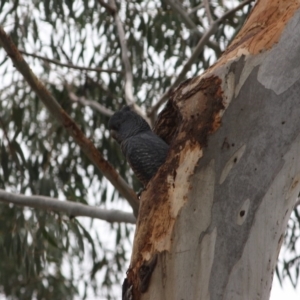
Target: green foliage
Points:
(32, 251)
(289, 264)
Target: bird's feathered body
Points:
(143, 149)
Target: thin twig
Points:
(72, 209)
(198, 49)
(70, 66)
(108, 7)
(297, 203)
(194, 9)
(231, 11)
(90, 82)
(64, 119)
(177, 6)
(99, 107)
(208, 12)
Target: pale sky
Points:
(287, 292)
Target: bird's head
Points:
(126, 123)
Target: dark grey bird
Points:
(143, 149)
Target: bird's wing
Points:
(145, 152)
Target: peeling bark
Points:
(215, 213)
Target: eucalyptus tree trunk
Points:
(212, 220)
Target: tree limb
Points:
(97, 106)
(177, 6)
(208, 12)
(194, 9)
(64, 119)
(125, 56)
(108, 7)
(198, 49)
(72, 209)
(10, 146)
(71, 66)
(297, 203)
(130, 100)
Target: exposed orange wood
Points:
(262, 29)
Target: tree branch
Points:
(72, 209)
(297, 203)
(125, 56)
(198, 49)
(208, 12)
(130, 100)
(64, 119)
(195, 8)
(97, 106)
(71, 66)
(177, 6)
(232, 11)
(108, 7)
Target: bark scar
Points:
(145, 272)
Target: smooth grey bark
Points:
(72, 209)
(231, 200)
